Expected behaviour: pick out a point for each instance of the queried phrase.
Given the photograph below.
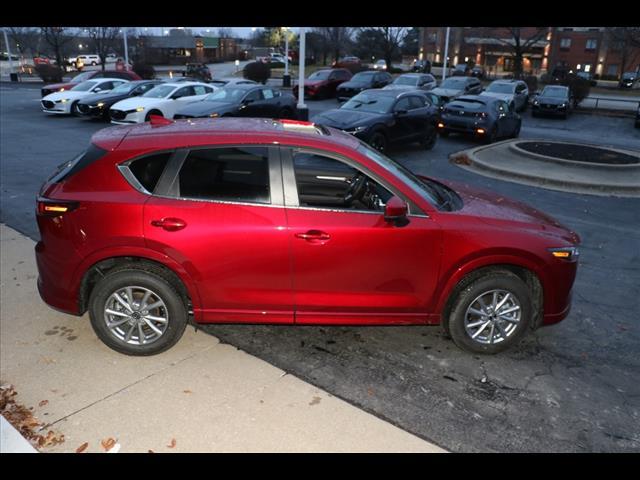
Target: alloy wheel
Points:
(493, 317)
(136, 315)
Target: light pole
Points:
(126, 49)
(6, 42)
(286, 79)
(446, 54)
(303, 112)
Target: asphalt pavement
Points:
(570, 387)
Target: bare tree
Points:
(626, 40)
(518, 43)
(390, 41)
(104, 40)
(57, 38)
(336, 39)
(225, 32)
(27, 39)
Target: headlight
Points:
(100, 104)
(536, 102)
(565, 253)
(563, 105)
(214, 115)
(359, 129)
(140, 109)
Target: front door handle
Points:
(169, 224)
(314, 236)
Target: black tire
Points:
(492, 136)
(378, 141)
(494, 280)
(444, 133)
(174, 307)
(516, 132)
(74, 109)
(428, 141)
(93, 64)
(534, 113)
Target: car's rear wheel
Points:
(491, 314)
(137, 312)
(74, 108)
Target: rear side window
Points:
(239, 174)
(147, 170)
(71, 167)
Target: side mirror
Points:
(396, 211)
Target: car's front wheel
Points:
(137, 312)
(379, 141)
(429, 138)
(491, 314)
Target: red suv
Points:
(263, 221)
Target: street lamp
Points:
(446, 51)
(303, 112)
(286, 79)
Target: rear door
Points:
(218, 211)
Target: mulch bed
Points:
(579, 153)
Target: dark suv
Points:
(363, 81)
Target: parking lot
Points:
(570, 387)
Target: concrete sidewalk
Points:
(206, 396)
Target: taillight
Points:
(55, 208)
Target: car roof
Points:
(182, 84)
(389, 93)
(211, 131)
(247, 86)
(478, 98)
(107, 79)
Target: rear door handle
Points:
(169, 224)
(314, 236)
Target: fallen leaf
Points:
(173, 443)
(151, 451)
(108, 443)
(187, 391)
(43, 403)
(82, 447)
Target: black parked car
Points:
(362, 81)
(629, 80)
(638, 117)
(242, 101)
(381, 117)
(453, 87)
(554, 100)
(422, 66)
(483, 117)
(97, 106)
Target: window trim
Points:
(291, 199)
(131, 178)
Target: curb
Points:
(469, 160)
(11, 441)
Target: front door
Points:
(218, 211)
(349, 264)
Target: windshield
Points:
(406, 81)
(124, 88)
(226, 95)
(363, 77)
(81, 78)
(161, 91)
(555, 92)
(454, 83)
(501, 88)
(85, 86)
(424, 188)
(321, 75)
(369, 103)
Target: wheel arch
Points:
(529, 271)
(98, 266)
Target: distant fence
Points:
(608, 103)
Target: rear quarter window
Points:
(147, 170)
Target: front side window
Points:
(161, 91)
(254, 96)
(325, 182)
(237, 174)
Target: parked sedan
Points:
(413, 81)
(231, 82)
(483, 117)
(363, 81)
(98, 105)
(453, 87)
(323, 83)
(382, 117)
(66, 102)
(242, 101)
(629, 80)
(554, 100)
(82, 77)
(163, 100)
(251, 221)
(515, 92)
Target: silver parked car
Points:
(413, 81)
(514, 92)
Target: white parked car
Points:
(65, 102)
(163, 100)
(413, 81)
(515, 92)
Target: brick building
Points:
(585, 49)
(181, 47)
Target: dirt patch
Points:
(579, 153)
